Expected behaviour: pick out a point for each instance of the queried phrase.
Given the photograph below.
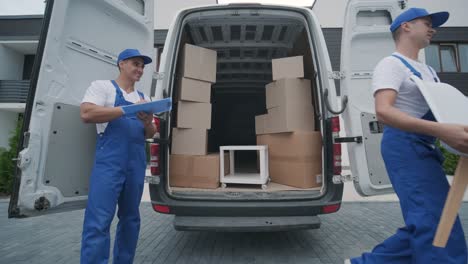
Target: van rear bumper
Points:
(245, 224)
(245, 208)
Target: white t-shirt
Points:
(391, 73)
(102, 92)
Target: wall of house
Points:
(8, 120)
(11, 69)
(12, 64)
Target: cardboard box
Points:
(260, 124)
(196, 171)
(295, 158)
(287, 118)
(189, 141)
(198, 63)
(288, 91)
(193, 115)
(193, 90)
(290, 67)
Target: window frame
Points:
(457, 57)
(456, 46)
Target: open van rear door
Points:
(366, 40)
(79, 43)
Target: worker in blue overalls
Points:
(119, 168)
(413, 162)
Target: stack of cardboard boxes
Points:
(190, 164)
(295, 148)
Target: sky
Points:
(34, 7)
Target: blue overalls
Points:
(414, 166)
(117, 178)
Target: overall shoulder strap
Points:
(406, 63)
(116, 86)
(436, 79)
(142, 95)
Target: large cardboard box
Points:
(288, 91)
(290, 118)
(198, 63)
(189, 141)
(193, 90)
(260, 124)
(295, 158)
(193, 115)
(196, 171)
(290, 67)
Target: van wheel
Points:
(264, 187)
(223, 185)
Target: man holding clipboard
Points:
(119, 169)
(413, 162)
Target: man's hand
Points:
(146, 118)
(455, 136)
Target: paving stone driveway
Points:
(355, 228)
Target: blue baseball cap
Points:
(132, 53)
(438, 18)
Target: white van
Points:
(80, 41)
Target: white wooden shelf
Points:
(261, 178)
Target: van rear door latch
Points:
(357, 139)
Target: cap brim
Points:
(439, 18)
(146, 59)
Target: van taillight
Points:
(335, 124)
(335, 127)
(154, 159)
(161, 208)
(154, 153)
(328, 209)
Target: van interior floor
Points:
(271, 187)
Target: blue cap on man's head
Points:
(438, 18)
(132, 53)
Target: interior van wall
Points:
(302, 48)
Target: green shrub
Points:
(451, 160)
(7, 164)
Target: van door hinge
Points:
(402, 4)
(337, 179)
(158, 75)
(336, 75)
(357, 139)
(152, 179)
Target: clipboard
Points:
(154, 107)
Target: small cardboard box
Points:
(288, 91)
(193, 90)
(198, 63)
(196, 171)
(193, 115)
(295, 158)
(189, 141)
(290, 67)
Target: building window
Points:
(448, 57)
(463, 57)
